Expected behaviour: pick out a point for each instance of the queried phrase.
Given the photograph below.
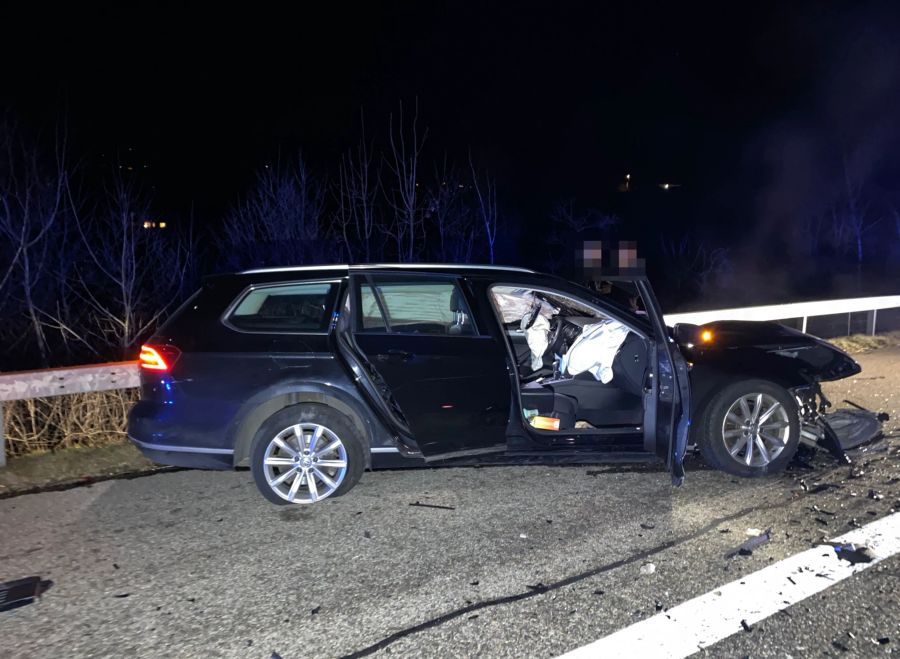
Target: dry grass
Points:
(866, 343)
(41, 425)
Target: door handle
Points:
(397, 354)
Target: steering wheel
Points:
(554, 337)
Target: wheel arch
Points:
(255, 412)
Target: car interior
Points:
(578, 369)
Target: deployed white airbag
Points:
(594, 350)
(517, 303)
(536, 335)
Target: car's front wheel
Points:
(751, 428)
(306, 453)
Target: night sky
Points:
(748, 107)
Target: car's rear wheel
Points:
(751, 428)
(306, 453)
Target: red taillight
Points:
(158, 358)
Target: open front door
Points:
(668, 394)
(448, 382)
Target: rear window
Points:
(302, 307)
(414, 305)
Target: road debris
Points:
(875, 495)
(747, 626)
(648, 525)
(431, 505)
(852, 553)
(648, 568)
(746, 548)
(20, 592)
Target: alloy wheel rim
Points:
(305, 463)
(756, 429)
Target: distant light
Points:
(148, 224)
(665, 186)
(627, 177)
(706, 336)
(162, 225)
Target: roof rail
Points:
(402, 266)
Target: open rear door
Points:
(447, 381)
(668, 394)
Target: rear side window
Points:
(410, 305)
(301, 307)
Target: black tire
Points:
(323, 415)
(711, 441)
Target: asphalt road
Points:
(518, 561)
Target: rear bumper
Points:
(185, 456)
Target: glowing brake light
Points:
(158, 358)
(706, 336)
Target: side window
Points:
(411, 305)
(300, 307)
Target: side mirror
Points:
(686, 334)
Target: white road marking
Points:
(699, 623)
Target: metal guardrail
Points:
(798, 310)
(23, 385)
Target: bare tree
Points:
(357, 190)
(567, 218)
(32, 199)
(280, 221)
(131, 276)
(851, 218)
(447, 210)
(486, 195)
(694, 265)
(403, 162)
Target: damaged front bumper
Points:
(837, 431)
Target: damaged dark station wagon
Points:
(310, 375)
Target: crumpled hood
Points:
(817, 358)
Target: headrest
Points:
(456, 301)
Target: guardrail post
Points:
(871, 319)
(2, 440)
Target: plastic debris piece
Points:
(523, 536)
(747, 626)
(315, 610)
(431, 505)
(20, 592)
(875, 495)
(852, 553)
(648, 525)
(753, 532)
(648, 568)
(747, 547)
